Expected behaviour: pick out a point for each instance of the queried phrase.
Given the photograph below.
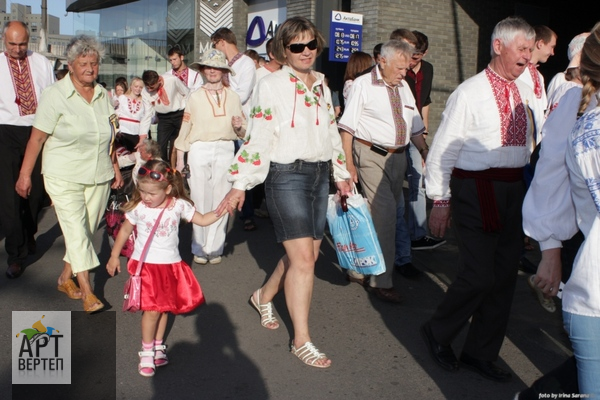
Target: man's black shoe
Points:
(426, 243)
(408, 271)
(442, 355)
(14, 270)
(487, 369)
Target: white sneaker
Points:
(215, 260)
(200, 260)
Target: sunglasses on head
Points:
(299, 47)
(154, 175)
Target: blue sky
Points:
(55, 7)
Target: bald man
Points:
(23, 76)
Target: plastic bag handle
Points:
(343, 203)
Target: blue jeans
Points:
(417, 212)
(583, 332)
(403, 255)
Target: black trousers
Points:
(167, 130)
(18, 216)
(562, 379)
(485, 284)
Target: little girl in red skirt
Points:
(168, 283)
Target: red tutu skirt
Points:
(168, 287)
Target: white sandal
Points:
(144, 365)
(265, 311)
(309, 355)
(160, 356)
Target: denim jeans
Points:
(403, 255)
(417, 213)
(583, 332)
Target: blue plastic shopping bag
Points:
(354, 236)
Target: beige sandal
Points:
(70, 289)
(265, 311)
(91, 304)
(309, 355)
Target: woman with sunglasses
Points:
(207, 134)
(292, 146)
(76, 133)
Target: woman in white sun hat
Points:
(212, 121)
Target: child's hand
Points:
(114, 264)
(236, 122)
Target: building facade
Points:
(139, 33)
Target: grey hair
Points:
(152, 147)
(508, 29)
(83, 45)
(7, 25)
(390, 48)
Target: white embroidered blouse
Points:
(288, 122)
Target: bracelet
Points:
(426, 148)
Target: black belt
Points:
(371, 145)
(169, 114)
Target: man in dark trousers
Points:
(475, 177)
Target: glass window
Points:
(138, 35)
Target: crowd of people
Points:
(508, 162)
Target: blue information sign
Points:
(345, 35)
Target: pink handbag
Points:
(132, 293)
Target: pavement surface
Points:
(220, 351)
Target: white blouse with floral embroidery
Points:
(288, 122)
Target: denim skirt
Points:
(296, 196)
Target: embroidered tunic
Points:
(37, 74)
(472, 135)
(191, 78)
(539, 102)
(288, 122)
(206, 120)
(548, 211)
(369, 113)
(581, 294)
(177, 94)
(130, 112)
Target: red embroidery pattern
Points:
(399, 121)
(183, 75)
(23, 84)
(235, 58)
(134, 106)
(535, 77)
(513, 122)
(396, 104)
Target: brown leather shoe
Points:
(389, 295)
(14, 270)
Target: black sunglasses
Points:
(155, 175)
(299, 47)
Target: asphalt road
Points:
(220, 351)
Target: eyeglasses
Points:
(214, 44)
(297, 48)
(155, 175)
